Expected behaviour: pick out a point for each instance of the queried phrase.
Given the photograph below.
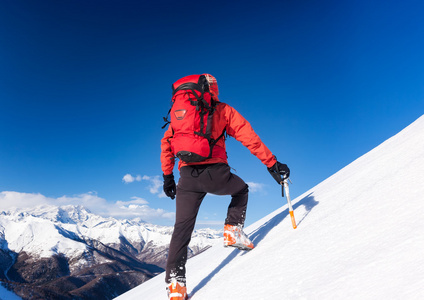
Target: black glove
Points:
(169, 186)
(278, 170)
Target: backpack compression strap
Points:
(192, 87)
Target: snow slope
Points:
(360, 235)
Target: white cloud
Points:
(9, 199)
(136, 207)
(255, 186)
(162, 195)
(130, 209)
(155, 184)
(128, 178)
(135, 200)
(90, 200)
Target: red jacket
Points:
(224, 117)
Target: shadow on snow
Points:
(258, 235)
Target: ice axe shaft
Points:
(285, 186)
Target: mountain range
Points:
(67, 252)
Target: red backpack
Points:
(191, 119)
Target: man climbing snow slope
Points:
(196, 135)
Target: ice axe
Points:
(284, 186)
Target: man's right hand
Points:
(278, 170)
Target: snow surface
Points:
(360, 235)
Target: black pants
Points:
(194, 183)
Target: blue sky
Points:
(84, 86)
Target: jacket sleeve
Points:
(239, 128)
(167, 158)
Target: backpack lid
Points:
(196, 82)
(202, 83)
(213, 85)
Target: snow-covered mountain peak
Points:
(47, 230)
(64, 214)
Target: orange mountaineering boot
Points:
(235, 237)
(177, 290)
